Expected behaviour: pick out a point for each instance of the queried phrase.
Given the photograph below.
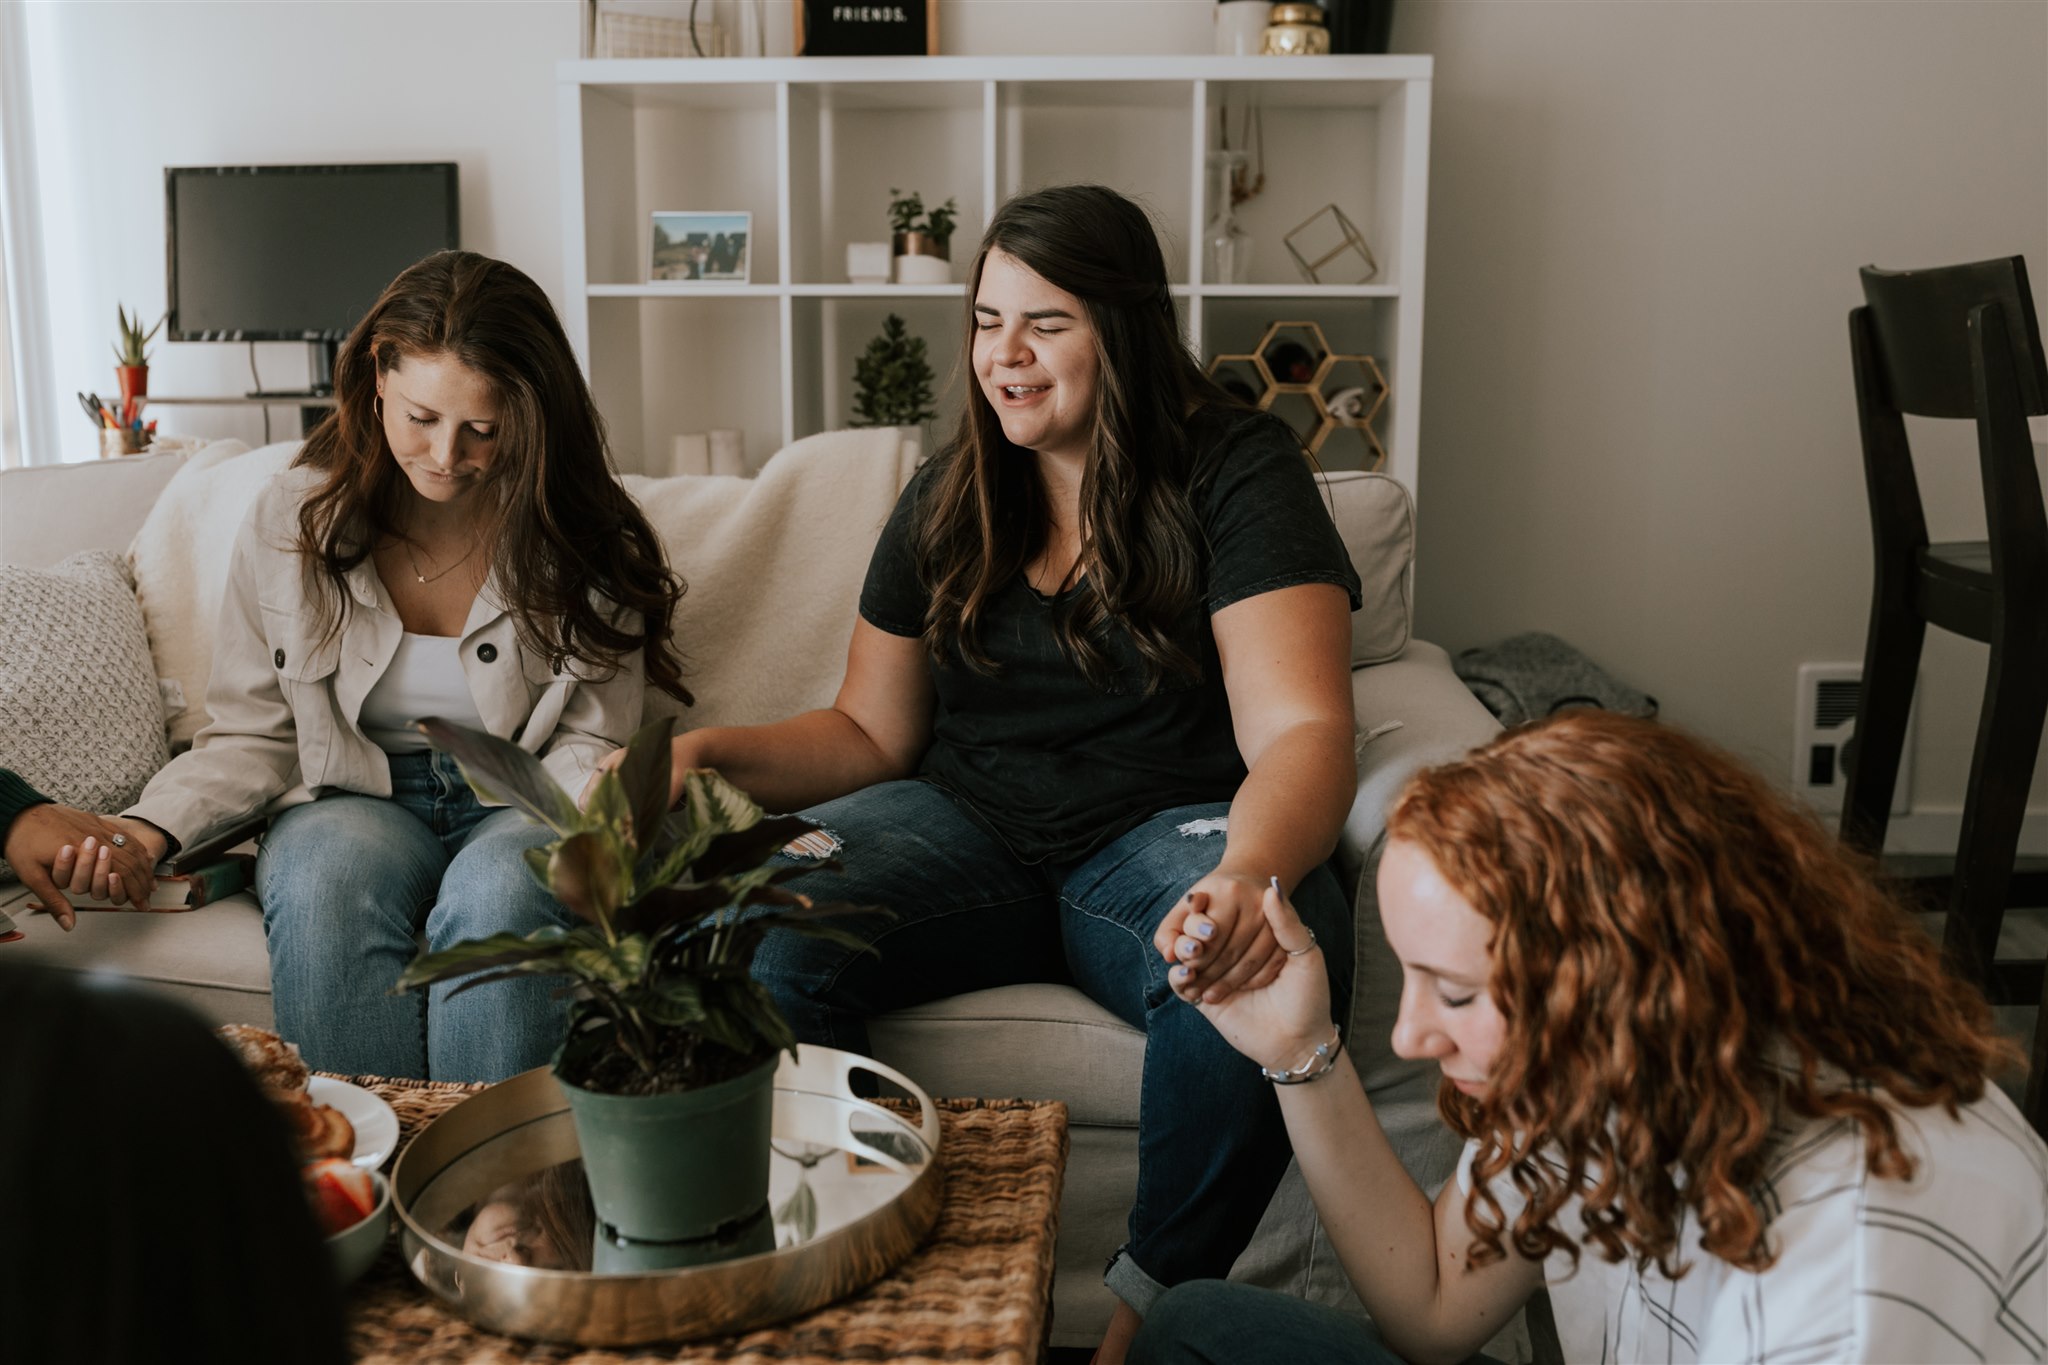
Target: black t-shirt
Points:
(1058, 767)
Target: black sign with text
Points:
(867, 28)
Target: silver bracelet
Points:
(1308, 1070)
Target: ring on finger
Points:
(1303, 952)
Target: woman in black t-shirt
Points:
(1101, 680)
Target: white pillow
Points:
(80, 719)
(1376, 519)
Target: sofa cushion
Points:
(212, 959)
(180, 558)
(1044, 1041)
(53, 510)
(1376, 519)
(79, 714)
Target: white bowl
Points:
(355, 1248)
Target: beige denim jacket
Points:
(285, 706)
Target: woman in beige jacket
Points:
(451, 542)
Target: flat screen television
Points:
(297, 253)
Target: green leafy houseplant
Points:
(672, 909)
(907, 214)
(129, 350)
(892, 380)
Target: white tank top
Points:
(425, 679)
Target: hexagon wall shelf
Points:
(1324, 391)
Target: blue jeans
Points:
(1215, 1322)
(348, 882)
(969, 915)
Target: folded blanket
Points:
(774, 566)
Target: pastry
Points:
(272, 1060)
(320, 1130)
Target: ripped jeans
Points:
(969, 915)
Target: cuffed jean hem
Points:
(1131, 1284)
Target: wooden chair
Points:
(1958, 342)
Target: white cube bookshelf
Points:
(812, 147)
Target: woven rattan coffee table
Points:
(978, 1289)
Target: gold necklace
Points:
(414, 562)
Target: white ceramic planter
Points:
(923, 270)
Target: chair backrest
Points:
(1921, 321)
(1958, 341)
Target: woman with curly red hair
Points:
(1715, 1084)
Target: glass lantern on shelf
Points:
(1226, 246)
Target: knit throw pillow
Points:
(80, 717)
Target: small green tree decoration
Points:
(673, 910)
(129, 349)
(892, 380)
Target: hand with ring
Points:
(1278, 1019)
(57, 850)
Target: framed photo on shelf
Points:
(700, 246)
(867, 28)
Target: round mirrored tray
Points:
(495, 1216)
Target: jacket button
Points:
(278, 658)
(487, 653)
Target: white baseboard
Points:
(1935, 829)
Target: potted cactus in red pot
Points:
(131, 358)
(671, 1051)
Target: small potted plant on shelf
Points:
(892, 380)
(672, 1045)
(131, 358)
(921, 241)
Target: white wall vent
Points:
(1824, 722)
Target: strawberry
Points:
(341, 1194)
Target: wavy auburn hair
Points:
(581, 569)
(1665, 926)
(984, 515)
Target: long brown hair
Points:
(581, 569)
(985, 516)
(1677, 951)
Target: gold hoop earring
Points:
(377, 405)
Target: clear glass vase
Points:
(1226, 246)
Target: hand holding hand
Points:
(56, 848)
(1282, 1020)
(1219, 938)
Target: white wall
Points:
(1645, 224)
(1638, 427)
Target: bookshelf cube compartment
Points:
(824, 383)
(698, 148)
(854, 146)
(1108, 133)
(663, 366)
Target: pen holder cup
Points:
(120, 441)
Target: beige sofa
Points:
(774, 566)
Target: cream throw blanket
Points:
(774, 566)
(180, 560)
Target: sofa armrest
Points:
(1439, 719)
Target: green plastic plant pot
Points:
(666, 1168)
(752, 1238)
